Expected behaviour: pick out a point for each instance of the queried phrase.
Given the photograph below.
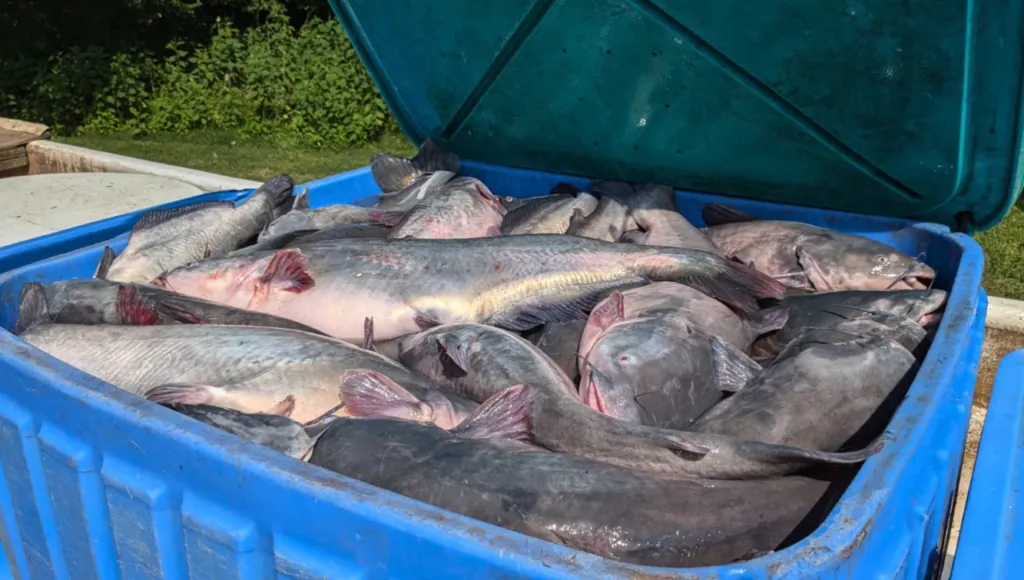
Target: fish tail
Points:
(132, 309)
(277, 190)
(368, 393)
(182, 393)
(735, 285)
(505, 415)
(32, 307)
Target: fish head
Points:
(616, 369)
(857, 263)
(221, 280)
(928, 310)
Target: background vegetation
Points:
(280, 69)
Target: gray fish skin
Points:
(104, 302)
(272, 431)
(213, 229)
(420, 189)
(903, 331)
(516, 282)
(923, 307)
(586, 505)
(654, 209)
(608, 222)
(320, 218)
(463, 208)
(296, 238)
(818, 395)
(547, 215)
(249, 369)
(808, 257)
(680, 301)
(560, 342)
(491, 359)
(656, 371)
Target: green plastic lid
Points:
(905, 108)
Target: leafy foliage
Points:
(303, 85)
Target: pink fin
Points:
(284, 407)
(287, 271)
(505, 415)
(132, 309)
(368, 393)
(609, 311)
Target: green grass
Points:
(1004, 256)
(258, 159)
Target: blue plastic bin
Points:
(98, 483)
(991, 542)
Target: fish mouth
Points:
(161, 282)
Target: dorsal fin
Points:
(158, 216)
(105, 261)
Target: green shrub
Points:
(305, 87)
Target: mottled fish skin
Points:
(812, 258)
(104, 302)
(249, 369)
(608, 222)
(463, 208)
(655, 370)
(479, 361)
(320, 218)
(919, 307)
(547, 215)
(586, 505)
(157, 245)
(516, 282)
(272, 431)
(819, 394)
(654, 209)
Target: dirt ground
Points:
(998, 344)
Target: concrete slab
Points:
(34, 205)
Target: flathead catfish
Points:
(103, 302)
(677, 300)
(661, 371)
(586, 505)
(818, 394)
(462, 208)
(393, 173)
(165, 239)
(654, 209)
(920, 307)
(608, 222)
(478, 361)
(249, 369)
(405, 285)
(274, 431)
(804, 256)
(551, 214)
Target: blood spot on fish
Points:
(498, 267)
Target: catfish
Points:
(478, 361)
(165, 239)
(813, 258)
(405, 285)
(480, 471)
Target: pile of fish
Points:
(585, 367)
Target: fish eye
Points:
(882, 260)
(626, 359)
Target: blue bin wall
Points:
(98, 483)
(991, 542)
